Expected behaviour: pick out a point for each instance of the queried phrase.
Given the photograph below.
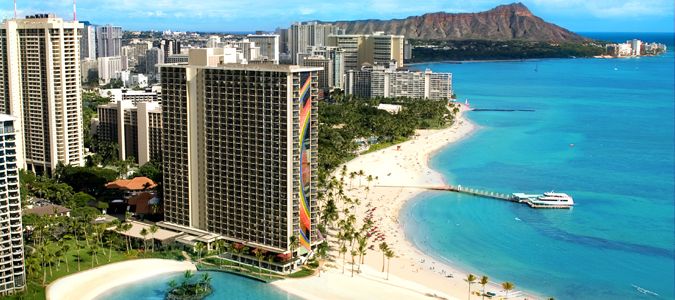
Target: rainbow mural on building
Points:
(305, 167)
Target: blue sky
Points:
(232, 15)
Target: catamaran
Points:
(547, 200)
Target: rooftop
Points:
(135, 184)
(136, 228)
(47, 210)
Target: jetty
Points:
(515, 197)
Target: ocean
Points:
(602, 130)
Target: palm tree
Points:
(343, 252)
(199, 247)
(206, 279)
(470, 279)
(259, 254)
(220, 246)
(293, 243)
(354, 253)
(389, 254)
(270, 260)
(144, 232)
(321, 254)
(508, 286)
(483, 281)
(383, 247)
(172, 285)
(352, 175)
(369, 179)
(362, 249)
(153, 230)
(361, 174)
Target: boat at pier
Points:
(547, 200)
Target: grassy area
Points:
(380, 146)
(36, 290)
(217, 264)
(304, 272)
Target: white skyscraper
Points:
(88, 42)
(45, 100)
(13, 277)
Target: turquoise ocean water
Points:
(225, 286)
(602, 131)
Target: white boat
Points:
(551, 199)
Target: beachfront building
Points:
(386, 82)
(12, 273)
(135, 127)
(373, 49)
(40, 76)
(240, 151)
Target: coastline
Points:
(93, 283)
(411, 269)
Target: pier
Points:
(516, 197)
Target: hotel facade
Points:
(12, 272)
(40, 86)
(240, 150)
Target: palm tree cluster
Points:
(189, 290)
(349, 235)
(50, 241)
(483, 281)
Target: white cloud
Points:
(609, 8)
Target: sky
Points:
(244, 16)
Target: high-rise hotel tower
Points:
(12, 273)
(240, 150)
(40, 86)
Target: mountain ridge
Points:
(502, 23)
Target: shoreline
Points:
(95, 282)
(400, 174)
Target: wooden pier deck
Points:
(482, 193)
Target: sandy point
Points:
(400, 173)
(95, 282)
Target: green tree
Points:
(293, 243)
(484, 280)
(153, 230)
(389, 254)
(199, 247)
(470, 279)
(383, 247)
(508, 286)
(259, 254)
(144, 233)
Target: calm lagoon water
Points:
(226, 286)
(602, 131)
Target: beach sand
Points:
(92, 283)
(418, 274)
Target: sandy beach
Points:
(413, 271)
(92, 283)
